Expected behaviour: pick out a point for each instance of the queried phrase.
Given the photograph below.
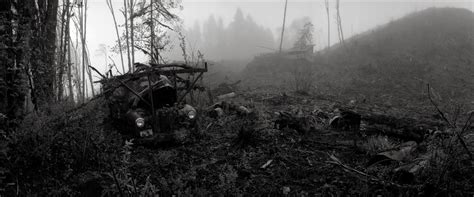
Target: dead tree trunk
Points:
(81, 31)
(62, 51)
(326, 3)
(85, 52)
(111, 8)
(339, 24)
(125, 10)
(283, 27)
(77, 72)
(152, 33)
(132, 34)
(68, 58)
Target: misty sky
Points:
(357, 16)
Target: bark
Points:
(63, 49)
(132, 34)
(12, 84)
(50, 46)
(339, 24)
(69, 66)
(86, 53)
(283, 27)
(35, 54)
(126, 34)
(109, 4)
(77, 77)
(89, 73)
(326, 3)
(83, 60)
(152, 36)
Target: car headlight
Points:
(192, 114)
(188, 111)
(140, 122)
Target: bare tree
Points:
(81, 31)
(340, 33)
(125, 14)
(152, 37)
(62, 51)
(283, 27)
(132, 34)
(68, 49)
(326, 3)
(111, 8)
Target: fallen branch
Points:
(368, 177)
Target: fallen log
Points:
(403, 128)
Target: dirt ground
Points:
(245, 154)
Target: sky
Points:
(357, 16)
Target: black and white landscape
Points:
(236, 98)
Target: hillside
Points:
(396, 61)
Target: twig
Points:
(94, 69)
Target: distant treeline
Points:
(242, 38)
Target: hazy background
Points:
(357, 17)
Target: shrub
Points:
(50, 149)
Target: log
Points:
(402, 128)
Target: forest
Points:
(230, 105)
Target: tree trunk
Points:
(69, 66)
(13, 86)
(283, 27)
(63, 49)
(132, 34)
(339, 24)
(61, 52)
(326, 2)
(126, 34)
(81, 31)
(86, 54)
(50, 46)
(152, 33)
(111, 8)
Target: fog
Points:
(227, 39)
